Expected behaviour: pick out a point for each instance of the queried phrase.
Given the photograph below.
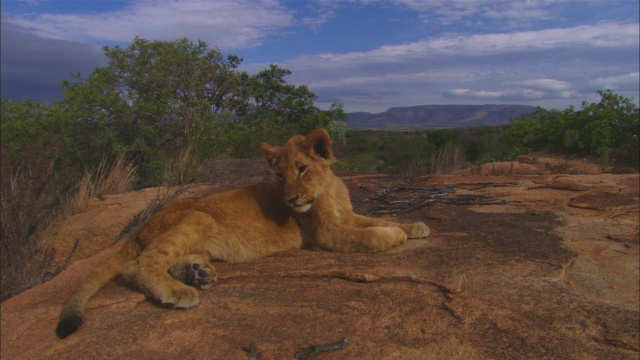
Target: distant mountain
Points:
(438, 116)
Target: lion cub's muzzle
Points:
(300, 204)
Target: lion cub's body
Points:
(236, 225)
(307, 207)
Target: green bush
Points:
(612, 123)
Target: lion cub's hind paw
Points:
(196, 273)
(393, 237)
(416, 230)
(201, 276)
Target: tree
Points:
(149, 98)
(275, 110)
(22, 123)
(33, 130)
(156, 100)
(611, 123)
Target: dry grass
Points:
(29, 203)
(447, 159)
(490, 169)
(182, 169)
(118, 178)
(36, 193)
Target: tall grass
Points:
(30, 202)
(184, 168)
(36, 192)
(119, 177)
(447, 159)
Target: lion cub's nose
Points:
(292, 200)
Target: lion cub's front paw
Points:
(416, 230)
(201, 276)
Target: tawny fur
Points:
(308, 207)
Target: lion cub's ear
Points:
(270, 153)
(319, 142)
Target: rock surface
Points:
(517, 267)
(540, 163)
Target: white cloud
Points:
(549, 87)
(513, 13)
(476, 94)
(550, 66)
(322, 11)
(606, 35)
(507, 95)
(228, 24)
(525, 90)
(397, 79)
(629, 81)
(547, 84)
(452, 11)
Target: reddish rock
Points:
(91, 231)
(548, 268)
(559, 164)
(541, 163)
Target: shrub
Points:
(613, 123)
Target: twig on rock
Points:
(307, 353)
(164, 197)
(252, 351)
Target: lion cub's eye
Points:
(302, 169)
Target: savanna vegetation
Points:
(607, 131)
(160, 113)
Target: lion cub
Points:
(307, 207)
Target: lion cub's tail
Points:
(72, 314)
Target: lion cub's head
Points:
(302, 166)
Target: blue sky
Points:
(369, 55)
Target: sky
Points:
(368, 55)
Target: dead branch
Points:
(307, 353)
(402, 198)
(164, 197)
